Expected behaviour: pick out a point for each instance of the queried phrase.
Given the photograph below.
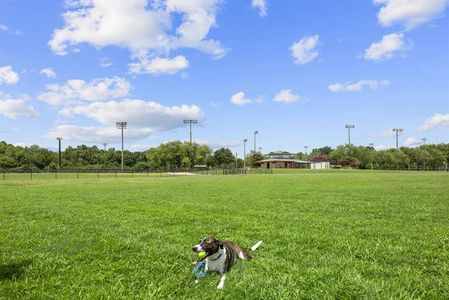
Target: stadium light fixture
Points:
(255, 133)
(349, 127)
(397, 131)
(121, 126)
(190, 122)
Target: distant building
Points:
(283, 160)
(284, 163)
(322, 165)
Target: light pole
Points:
(236, 161)
(349, 127)
(305, 149)
(121, 126)
(397, 131)
(424, 140)
(372, 151)
(104, 146)
(59, 151)
(255, 132)
(190, 122)
(244, 153)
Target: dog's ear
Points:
(220, 244)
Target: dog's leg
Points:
(221, 284)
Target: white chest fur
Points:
(216, 262)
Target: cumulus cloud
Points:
(436, 121)
(357, 86)
(159, 65)
(240, 99)
(139, 113)
(8, 76)
(386, 48)
(16, 107)
(410, 13)
(412, 142)
(286, 96)
(144, 118)
(304, 51)
(382, 147)
(76, 90)
(147, 28)
(48, 72)
(261, 5)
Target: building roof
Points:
(285, 160)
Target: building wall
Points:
(320, 165)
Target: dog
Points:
(221, 256)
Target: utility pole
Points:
(244, 152)
(104, 146)
(121, 126)
(190, 122)
(397, 131)
(59, 152)
(349, 127)
(372, 151)
(255, 132)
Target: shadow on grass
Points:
(13, 270)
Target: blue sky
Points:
(296, 71)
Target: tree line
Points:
(177, 154)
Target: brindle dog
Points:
(220, 256)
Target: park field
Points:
(337, 234)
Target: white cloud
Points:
(49, 72)
(286, 96)
(151, 116)
(144, 118)
(105, 62)
(76, 90)
(159, 65)
(412, 142)
(357, 86)
(304, 51)
(240, 99)
(410, 13)
(436, 121)
(386, 48)
(16, 107)
(5, 28)
(261, 5)
(147, 28)
(8, 76)
(92, 134)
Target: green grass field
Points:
(338, 234)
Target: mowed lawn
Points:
(336, 234)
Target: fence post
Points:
(115, 173)
(77, 174)
(132, 173)
(4, 175)
(56, 173)
(98, 173)
(147, 172)
(31, 174)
